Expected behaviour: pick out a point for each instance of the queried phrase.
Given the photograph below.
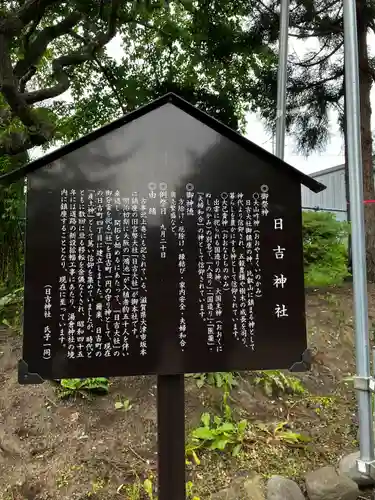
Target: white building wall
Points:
(333, 198)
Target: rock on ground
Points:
(348, 467)
(280, 488)
(327, 484)
(250, 488)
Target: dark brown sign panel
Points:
(163, 246)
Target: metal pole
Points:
(353, 131)
(281, 78)
(171, 437)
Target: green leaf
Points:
(242, 426)
(268, 388)
(200, 383)
(10, 298)
(203, 433)
(72, 383)
(227, 412)
(119, 405)
(127, 406)
(65, 394)
(280, 426)
(219, 444)
(195, 458)
(293, 437)
(205, 419)
(189, 488)
(236, 450)
(219, 379)
(226, 427)
(217, 420)
(147, 486)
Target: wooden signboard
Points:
(164, 243)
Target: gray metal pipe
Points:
(282, 79)
(352, 100)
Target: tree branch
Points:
(87, 53)
(38, 47)
(302, 87)
(310, 63)
(315, 55)
(310, 33)
(372, 74)
(23, 81)
(32, 9)
(15, 143)
(38, 132)
(111, 79)
(8, 85)
(30, 31)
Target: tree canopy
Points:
(208, 52)
(316, 80)
(316, 84)
(58, 80)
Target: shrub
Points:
(12, 205)
(325, 249)
(225, 380)
(11, 304)
(83, 387)
(276, 383)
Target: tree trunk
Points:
(366, 137)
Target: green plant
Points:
(12, 205)
(216, 379)
(372, 330)
(83, 387)
(96, 486)
(131, 491)
(137, 490)
(11, 308)
(225, 406)
(275, 382)
(350, 379)
(216, 433)
(123, 405)
(281, 432)
(148, 487)
(284, 434)
(190, 491)
(321, 403)
(324, 249)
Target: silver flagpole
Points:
(281, 78)
(364, 383)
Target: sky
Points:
(256, 132)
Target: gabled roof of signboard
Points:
(187, 108)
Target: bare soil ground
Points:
(80, 449)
